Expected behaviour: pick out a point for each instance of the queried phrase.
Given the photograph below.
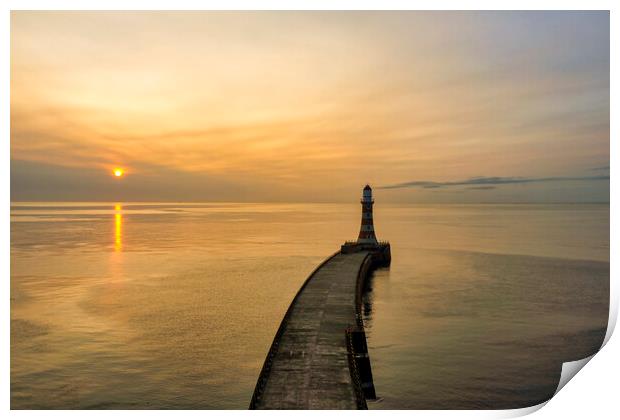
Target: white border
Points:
(310, 5)
(592, 395)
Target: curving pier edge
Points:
(319, 358)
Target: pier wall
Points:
(319, 357)
(273, 349)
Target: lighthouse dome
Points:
(367, 194)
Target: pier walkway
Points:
(308, 364)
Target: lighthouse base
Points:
(381, 255)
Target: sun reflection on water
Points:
(118, 228)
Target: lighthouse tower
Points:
(367, 241)
(367, 230)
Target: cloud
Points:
(485, 182)
(600, 168)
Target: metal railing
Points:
(380, 243)
(353, 368)
(359, 288)
(354, 371)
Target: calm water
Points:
(175, 305)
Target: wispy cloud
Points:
(600, 168)
(491, 182)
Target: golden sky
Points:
(310, 106)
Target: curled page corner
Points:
(613, 316)
(519, 412)
(570, 369)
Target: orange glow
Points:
(299, 116)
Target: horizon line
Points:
(305, 202)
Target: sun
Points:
(118, 172)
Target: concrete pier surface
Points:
(308, 365)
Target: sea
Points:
(175, 305)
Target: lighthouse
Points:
(367, 241)
(367, 229)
